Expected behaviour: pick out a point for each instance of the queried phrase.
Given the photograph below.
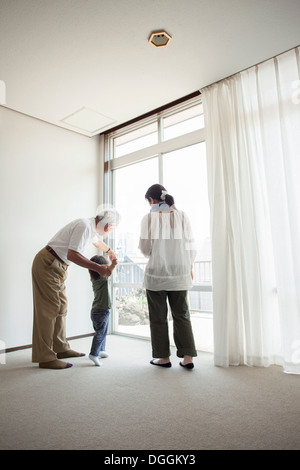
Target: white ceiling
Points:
(58, 57)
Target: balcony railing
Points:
(129, 276)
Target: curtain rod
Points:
(248, 68)
(154, 111)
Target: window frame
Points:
(112, 163)
(163, 146)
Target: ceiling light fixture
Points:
(159, 38)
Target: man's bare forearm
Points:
(103, 247)
(84, 262)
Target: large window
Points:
(168, 148)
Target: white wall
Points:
(48, 177)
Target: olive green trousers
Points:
(182, 328)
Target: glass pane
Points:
(183, 122)
(130, 185)
(130, 305)
(136, 140)
(185, 178)
(131, 311)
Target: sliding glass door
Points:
(130, 184)
(185, 177)
(170, 151)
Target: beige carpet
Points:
(129, 404)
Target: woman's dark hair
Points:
(99, 260)
(155, 191)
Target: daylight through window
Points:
(166, 148)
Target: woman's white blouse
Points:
(166, 239)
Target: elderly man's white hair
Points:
(108, 216)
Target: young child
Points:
(100, 310)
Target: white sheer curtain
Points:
(252, 122)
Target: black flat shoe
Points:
(167, 364)
(190, 365)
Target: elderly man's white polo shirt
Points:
(76, 235)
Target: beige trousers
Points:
(50, 307)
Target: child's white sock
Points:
(95, 360)
(103, 354)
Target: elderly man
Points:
(49, 272)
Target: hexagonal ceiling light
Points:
(159, 38)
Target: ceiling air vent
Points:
(159, 39)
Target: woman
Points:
(167, 241)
